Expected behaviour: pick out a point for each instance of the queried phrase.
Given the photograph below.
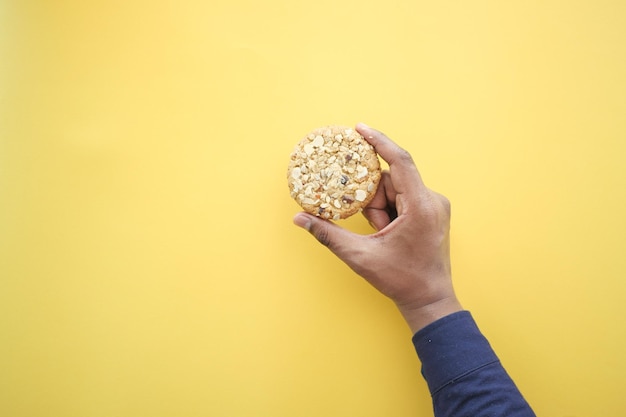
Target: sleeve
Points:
(463, 373)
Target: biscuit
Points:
(333, 172)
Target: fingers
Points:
(405, 175)
(378, 210)
(340, 241)
(378, 219)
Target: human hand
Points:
(408, 257)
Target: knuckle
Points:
(405, 157)
(436, 207)
(445, 202)
(322, 235)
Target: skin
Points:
(407, 258)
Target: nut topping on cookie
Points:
(333, 172)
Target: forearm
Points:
(464, 375)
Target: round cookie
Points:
(333, 172)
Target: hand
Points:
(408, 257)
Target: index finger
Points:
(404, 173)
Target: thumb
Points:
(338, 240)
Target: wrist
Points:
(419, 316)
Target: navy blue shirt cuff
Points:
(451, 348)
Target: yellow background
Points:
(148, 263)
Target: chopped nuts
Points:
(360, 195)
(318, 141)
(333, 172)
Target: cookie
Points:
(333, 172)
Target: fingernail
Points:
(362, 125)
(303, 221)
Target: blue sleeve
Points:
(463, 373)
